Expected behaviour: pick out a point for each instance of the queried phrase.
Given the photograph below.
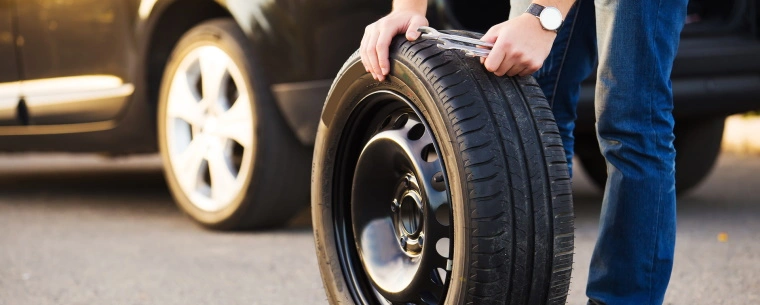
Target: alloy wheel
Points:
(209, 128)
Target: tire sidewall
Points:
(344, 97)
(209, 34)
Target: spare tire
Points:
(443, 184)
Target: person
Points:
(634, 44)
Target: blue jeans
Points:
(635, 43)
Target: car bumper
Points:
(712, 76)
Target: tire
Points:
(229, 159)
(697, 146)
(465, 168)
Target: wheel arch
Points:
(169, 21)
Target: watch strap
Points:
(535, 9)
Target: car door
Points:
(75, 58)
(9, 85)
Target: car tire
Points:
(229, 158)
(443, 184)
(697, 146)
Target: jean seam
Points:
(659, 155)
(564, 53)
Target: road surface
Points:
(89, 230)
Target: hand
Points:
(520, 46)
(377, 39)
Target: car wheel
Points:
(229, 159)
(443, 184)
(697, 146)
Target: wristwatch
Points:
(550, 17)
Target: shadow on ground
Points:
(134, 183)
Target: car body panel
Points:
(302, 44)
(296, 42)
(75, 99)
(9, 78)
(74, 60)
(303, 40)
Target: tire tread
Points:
(521, 236)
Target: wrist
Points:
(416, 6)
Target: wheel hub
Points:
(408, 210)
(209, 126)
(397, 244)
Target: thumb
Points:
(411, 32)
(490, 36)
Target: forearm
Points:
(563, 5)
(419, 6)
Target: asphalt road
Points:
(89, 230)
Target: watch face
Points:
(551, 18)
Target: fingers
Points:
(530, 68)
(375, 44)
(524, 72)
(411, 33)
(490, 36)
(372, 54)
(381, 47)
(515, 69)
(527, 72)
(495, 60)
(515, 63)
(505, 60)
(510, 57)
(520, 47)
(363, 51)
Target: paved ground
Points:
(85, 230)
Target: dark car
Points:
(230, 91)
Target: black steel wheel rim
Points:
(392, 211)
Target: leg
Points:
(571, 60)
(633, 257)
